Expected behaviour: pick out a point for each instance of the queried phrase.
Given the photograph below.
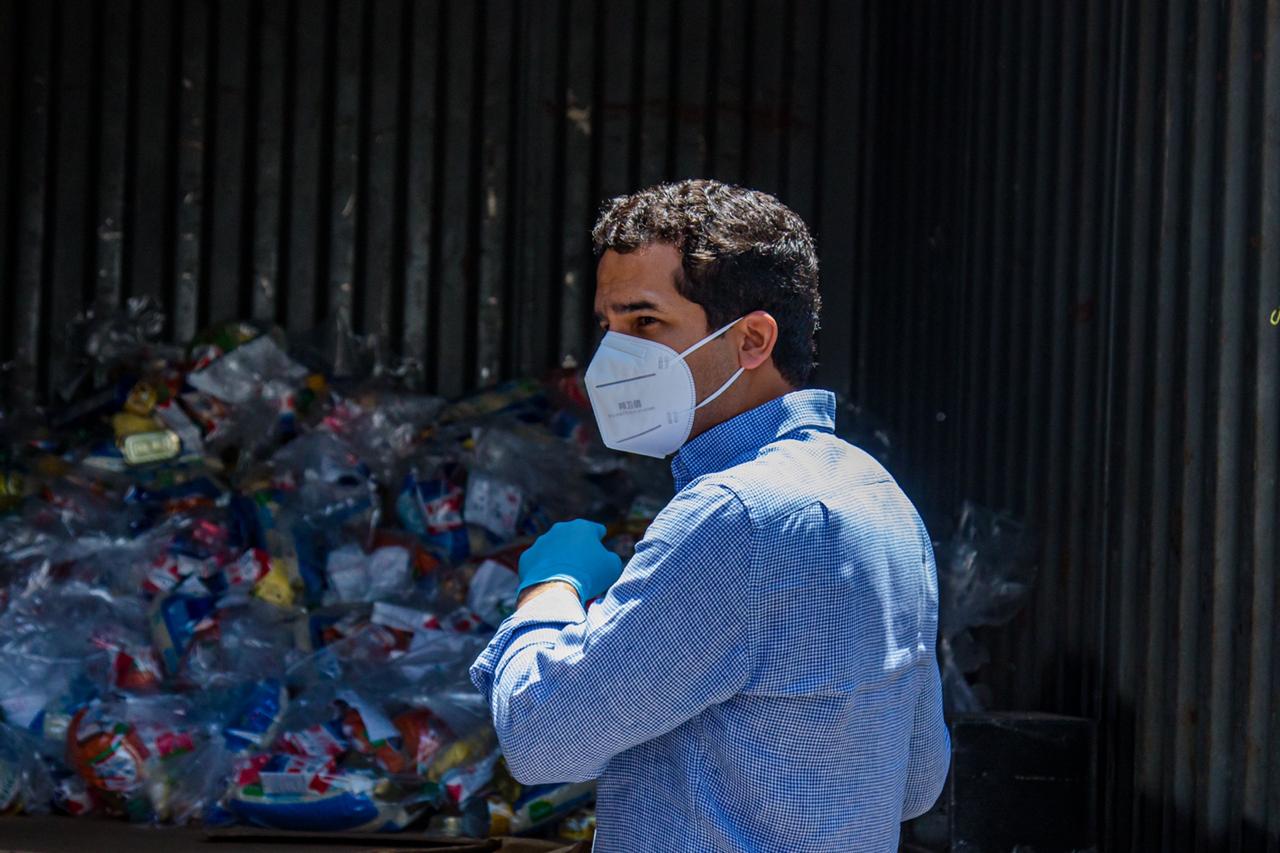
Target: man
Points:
(761, 675)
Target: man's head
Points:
(677, 261)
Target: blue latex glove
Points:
(571, 551)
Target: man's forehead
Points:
(642, 280)
(628, 291)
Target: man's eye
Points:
(645, 321)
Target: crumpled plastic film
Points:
(25, 784)
(986, 570)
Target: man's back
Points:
(762, 675)
(814, 752)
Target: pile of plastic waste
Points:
(243, 581)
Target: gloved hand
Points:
(571, 551)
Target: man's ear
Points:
(759, 335)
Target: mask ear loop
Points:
(731, 379)
(723, 388)
(717, 333)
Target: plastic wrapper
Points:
(422, 735)
(432, 509)
(250, 395)
(252, 371)
(523, 476)
(353, 575)
(194, 785)
(25, 784)
(986, 569)
(492, 591)
(257, 721)
(33, 686)
(513, 808)
(250, 641)
(177, 622)
(111, 342)
(345, 762)
(493, 504)
(71, 796)
(335, 350)
(580, 825)
(384, 428)
(309, 794)
(327, 500)
(89, 608)
(370, 732)
(124, 750)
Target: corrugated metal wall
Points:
(1077, 264)
(435, 167)
(1050, 237)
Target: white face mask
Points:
(642, 393)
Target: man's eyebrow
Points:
(629, 308)
(632, 307)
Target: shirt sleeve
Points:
(674, 635)
(929, 759)
(930, 750)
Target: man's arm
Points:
(674, 635)
(930, 750)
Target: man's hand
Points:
(571, 552)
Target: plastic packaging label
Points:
(400, 618)
(493, 505)
(316, 741)
(296, 775)
(493, 592)
(376, 724)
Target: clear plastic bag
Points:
(108, 339)
(253, 641)
(384, 428)
(334, 349)
(537, 468)
(986, 570)
(25, 784)
(124, 750)
(254, 371)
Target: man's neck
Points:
(735, 401)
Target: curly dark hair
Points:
(741, 250)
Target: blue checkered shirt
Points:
(762, 676)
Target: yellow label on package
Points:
(274, 586)
(144, 447)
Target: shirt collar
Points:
(726, 442)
